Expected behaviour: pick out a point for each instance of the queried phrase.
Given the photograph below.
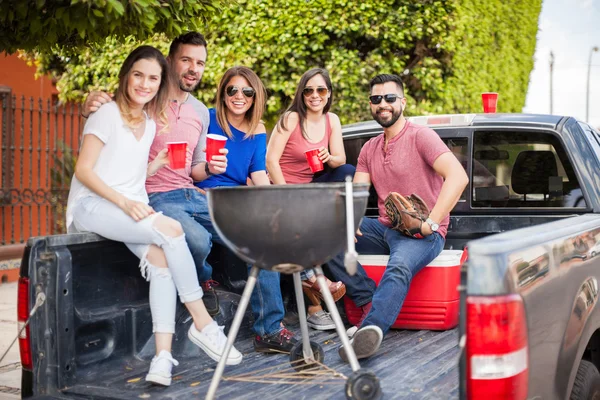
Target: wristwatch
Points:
(207, 170)
(434, 225)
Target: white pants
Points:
(95, 214)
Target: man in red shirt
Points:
(407, 159)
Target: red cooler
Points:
(432, 299)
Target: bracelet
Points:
(83, 115)
(208, 173)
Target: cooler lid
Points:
(447, 258)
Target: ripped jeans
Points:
(95, 214)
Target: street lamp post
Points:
(551, 71)
(587, 102)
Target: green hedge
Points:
(45, 24)
(447, 51)
(494, 47)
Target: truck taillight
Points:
(22, 315)
(497, 352)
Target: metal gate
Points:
(40, 142)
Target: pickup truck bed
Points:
(412, 365)
(102, 339)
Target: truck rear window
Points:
(459, 147)
(522, 169)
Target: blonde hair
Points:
(254, 114)
(155, 108)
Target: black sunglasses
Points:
(308, 91)
(389, 98)
(247, 91)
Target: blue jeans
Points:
(338, 174)
(266, 301)
(407, 257)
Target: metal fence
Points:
(40, 141)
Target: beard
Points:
(387, 122)
(186, 87)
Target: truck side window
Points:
(352, 146)
(522, 169)
(458, 147)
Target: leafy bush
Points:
(448, 51)
(44, 25)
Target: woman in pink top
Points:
(307, 124)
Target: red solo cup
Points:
(177, 154)
(490, 100)
(214, 143)
(314, 162)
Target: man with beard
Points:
(406, 158)
(172, 191)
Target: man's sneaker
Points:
(212, 341)
(320, 321)
(366, 342)
(160, 369)
(351, 331)
(210, 298)
(278, 342)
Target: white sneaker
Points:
(160, 369)
(212, 341)
(351, 331)
(365, 343)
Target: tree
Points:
(46, 25)
(448, 51)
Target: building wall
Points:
(33, 128)
(20, 77)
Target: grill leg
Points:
(233, 331)
(335, 315)
(306, 349)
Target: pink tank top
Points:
(293, 163)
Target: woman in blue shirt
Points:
(241, 100)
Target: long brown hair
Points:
(255, 112)
(155, 108)
(298, 104)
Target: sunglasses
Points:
(308, 91)
(389, 98)
(247, 91)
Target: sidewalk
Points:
(10, 371)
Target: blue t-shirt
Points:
(245, 156)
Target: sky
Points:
(570, 29)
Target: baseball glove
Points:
(407, 214)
